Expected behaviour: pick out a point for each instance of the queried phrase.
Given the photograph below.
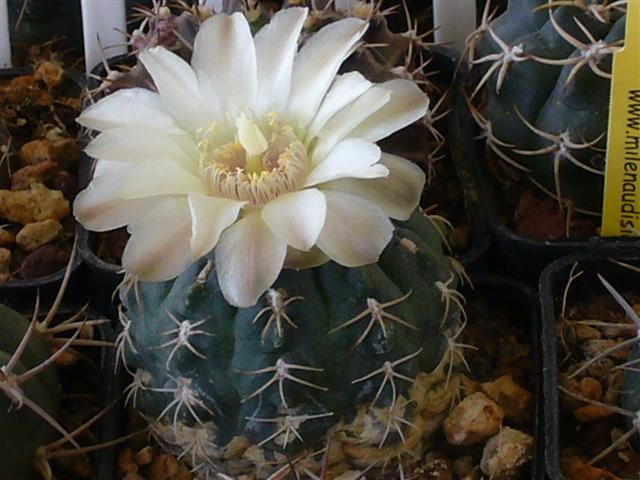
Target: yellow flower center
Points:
(257, 164)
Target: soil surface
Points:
(588, 424)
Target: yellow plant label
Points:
(621, 206)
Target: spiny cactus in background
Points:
(630, 393)
(29, 388)
(542, 98)
(630, 390)
(333, 368)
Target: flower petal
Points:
(137, 144)
(355, 231)
(249, 257)
(209, 217)
(159, 245)
(407, 104)
(398, 194)
(297, 259)
(276, 45)
(159, 177)
(178, 87)
(129, 107)
(317, 63)
(98, 207)
(224, 51)
(297, 218)
(349, 117)
(351, 158)
(345, 89)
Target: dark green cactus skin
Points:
(22, 430)
(538, 92)
(321, 300)
(631, 391)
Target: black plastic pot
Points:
(552, 284)
(15, 291)
(515, 254)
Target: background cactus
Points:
(544, 73)
(22, 386)
(357, 361)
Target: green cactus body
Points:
(547, 96)
(23, 431)
(357, 356)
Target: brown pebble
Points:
(6, 237)
(473, 419)
(37, 203)
(65, 151)
(50, 72)
(5, 264)
(34, 235)
(66, 183)
(576, 468)
(36, 151)
(591, 413)
(144, 456)
(463, 466)
(125, 461)
(166, 467)
(514, 400)
(44, 261)
(40, 173)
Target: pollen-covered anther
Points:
(276, 304)
(260, 164)
(377, 315)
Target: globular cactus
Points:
(346, 368)
(544, 70)
(30, 392)
(29, 395)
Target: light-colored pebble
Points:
(473, 419)
(34, 235)
(512, 398)
(33, 205)
(505, 454)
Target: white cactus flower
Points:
(257, 149)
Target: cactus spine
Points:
(353, 360)
(545, 70)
